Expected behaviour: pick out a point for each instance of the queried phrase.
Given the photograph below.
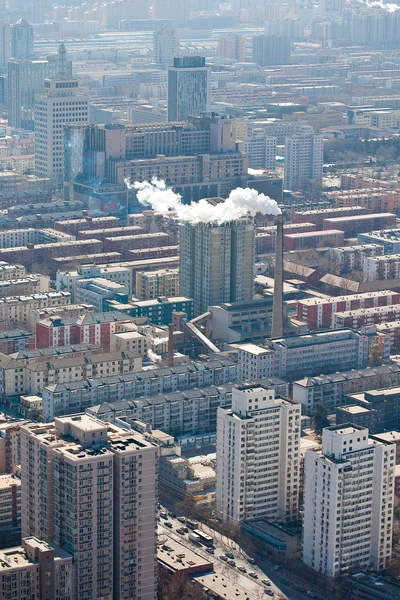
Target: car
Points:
(253, 574)
(310, 593)
(223, 557)
(180, 530)
(210, 550)
(182, 555)
(172, 515)
(185, 529)
(167, 548)
(181, 519)
(229, 554)
(168, 524)
(251, 560)
(287, 581)
(269, 592)
(277, 568)
(266, 582)
(158, 518)
(231, 562)
(242, 569)
(163, 515)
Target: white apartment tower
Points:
(189, 88)
(260, 149)
(258, 456)
(91, 488)
(303, 160)
(348, 502)
(60, 104)
(165, 46)
(232, 45)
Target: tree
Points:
(320, 418)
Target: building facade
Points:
(189, 87)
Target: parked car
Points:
(253, 574)
(223, 557)
(210, 550)
(180, 530)
(251, 560)
(231, 562)
(266, 582)
(242, 569)
(181, 519)
(229, 554)
(169, 525)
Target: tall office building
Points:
(348, 502)
(189, 85)
(91, 488)
(232, 45)
(5, 44)
(258, 456)
(216, 262)
(22, 39)
(60, 104)
(271, 50)
(304, 156)
(25, 79)
(165, 46)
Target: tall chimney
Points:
(277, 312)
(170, 359)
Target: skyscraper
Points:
(91, 488)
(25, 79)
(216, 262)
(189, 84)
(22, 39)
(258, 455)
(271, 50)
(165, 46)
(304, 155)
(348, 502)
(232, 45)
(5, 44)
(58, 105)
(178, 10)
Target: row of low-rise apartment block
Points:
(382, 267)
(109, 232)
(313, 239)
(348, 502)
(152, 284)
(74, 226)
(319, 312)
(77, 470)
(354, 258)
(317, 216)
(366, 316)
(36, 569)
(266, 236)
(388, 238)
(188, 412)
(98, 291)
(377, 409)
(64, 398)
(17, 308)
(30, 284)
(353, 225)
(374, 200)
(14, 340)
(30, 378)
(10, 238)
(65, 280)
(307, 354)
(332, 389)
(351, 182)
(391, 329)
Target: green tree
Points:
(320, 418)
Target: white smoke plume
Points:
(159, 341)
(241, 202)
(153, 356)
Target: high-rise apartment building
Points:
(260, 149)
(348, 502)
(304, 155)
(215, 262)
(22, 39)
(178, 10)
(5, 44)
(25, 79)
(165, 46)
(91, 488)
(58, 105)
(232, 45)
(271, 50)
(189, 85)
(258, 456)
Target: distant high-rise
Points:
(58, 105)
(91, 488)
(348, 502)
(258, 456)
(189, 84)
(22, 39)
(165, 46)
(216, 262)
(232, 45)
(271, 50)
(178, 10)
(5, 44)
(304, 154)
(25, 79)
(260, 149)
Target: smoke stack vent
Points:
(277, 312)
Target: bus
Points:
(205, 539)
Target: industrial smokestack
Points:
(277, 312)
(170, 359)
